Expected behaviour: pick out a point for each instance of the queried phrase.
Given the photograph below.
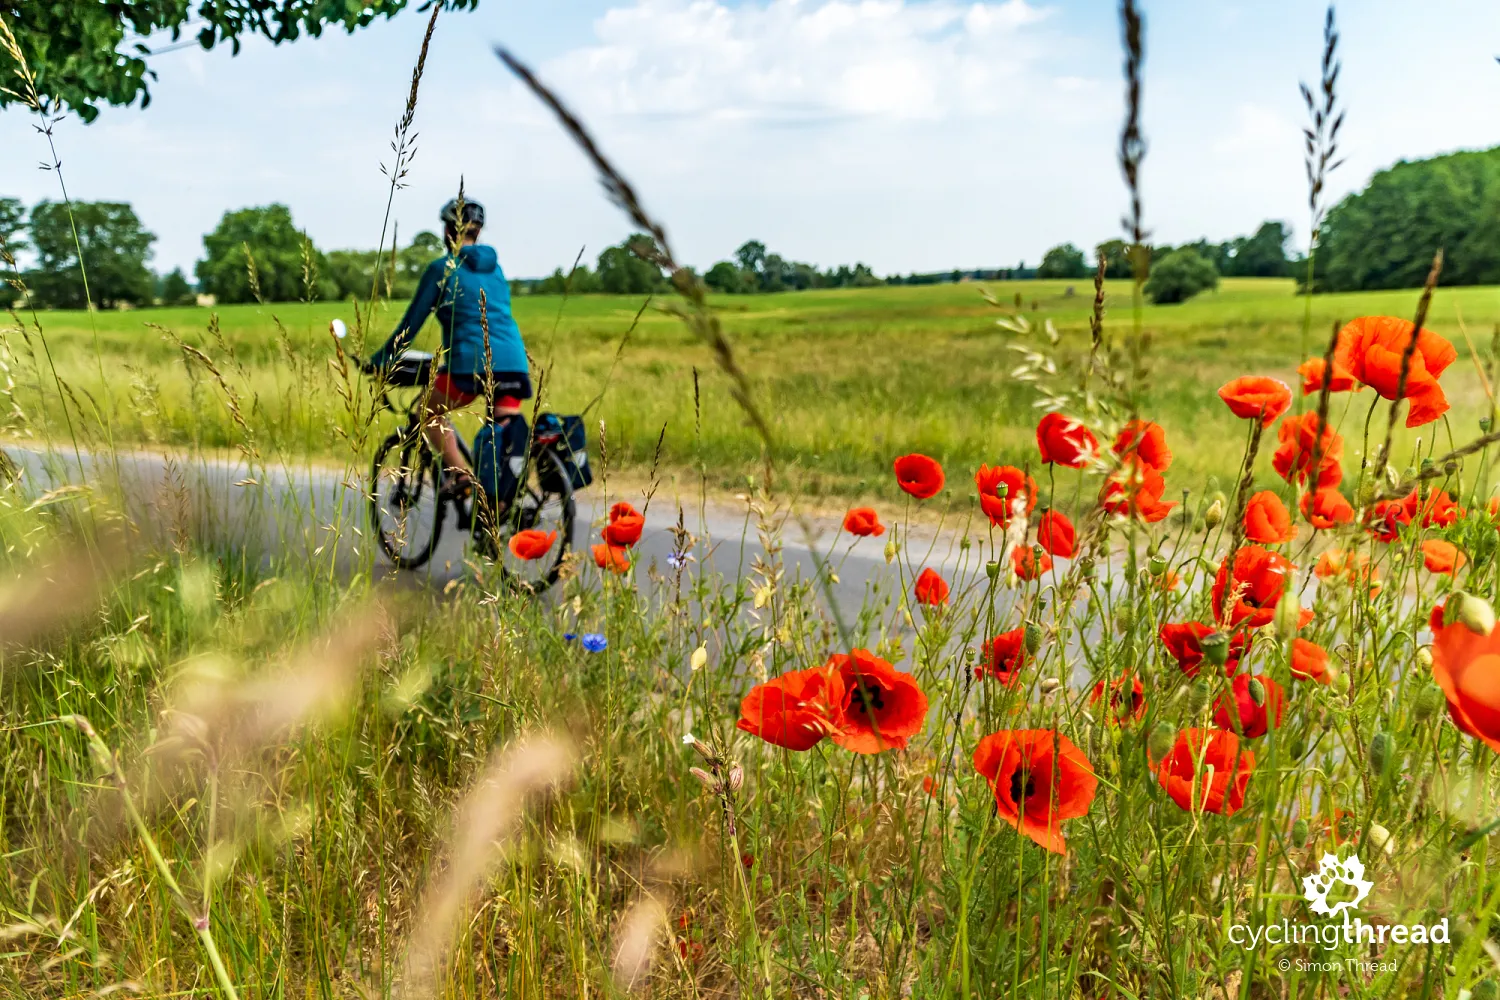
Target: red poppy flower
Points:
(1441, 557)
(1466, 665)
(1030, 562)
(1259, 578)
(1237, 710)
(1437, 510)
(1054, 532)
(1004, 656)
(1123, 709)
(1184, 642)
(919, 475)
(1256, 397)
(1299, 441)
(1136, 489)
(624, 531)
(795, 710)
(1167, 579)
(1267, 520)
(1065, 441)
(1039, 779)
(1309, 661)
(1353, 567)
(930, 589)
(612, 557)
(998, 504)
(1146, 441)
(1371, 349)
(1312, 372)
(621, 509)
(1386, 519)
(531, 543)
(1326, 508)
(881, 708)
(1206, 769)
(864, 522)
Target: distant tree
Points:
(115, 250)
(727, 277)
(1179, 276)
(175, 290)
(1063, 261)
(1116, 259)
(284, 259)
(81, 53)
(623, 272)
(751, 255)
(1260, 256)
(12, 225)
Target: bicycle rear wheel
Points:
(543, 503)
(406, 505)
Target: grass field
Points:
(848, 378)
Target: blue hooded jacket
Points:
(452, 285)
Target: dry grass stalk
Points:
(488, 813)
(56, 590)
(639, 937)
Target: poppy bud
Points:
(1365, 495)
(699, 659)
(1163, 736)
(1381, 746)
(1033, 637)
(1475, 613)
(1199, 695)
(1485, 989)
(1424, 657)
(1298, 747)
(1381, 838)
(1426, 467)
(1288, 615)
(1157, 566)
(1429, 700)
(891, 548)
(704, 778)
(964, 544)
(736, 778)
(992, 570)
(1299, 833)
(1257, 691)
(1340, 684)
(1050, 684)
(1213, 515)
(1086, 569)
(1485, 423)
(1215, 648)
(1450, 468)
(1124, 617)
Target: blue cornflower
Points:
(569, 636)
(594, 642)
(677, 560)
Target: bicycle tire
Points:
(427, 477)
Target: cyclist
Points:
(453, 285)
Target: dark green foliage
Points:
(287, 266)
(83, 53)
(353, 272)
(12, 225)
(623, 272)
(175, 290)
(1385, 236)
(115, 249)
(727, 277)
(1063, 261)
(1179, 276)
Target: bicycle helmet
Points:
(473, 214)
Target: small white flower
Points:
(689, 739)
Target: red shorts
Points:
(509, 388)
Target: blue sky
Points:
(909, 134)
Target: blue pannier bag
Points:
(564, 437)
(500, 459)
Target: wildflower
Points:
(1146, 442)
(699, 659)
(1267, 520)
(1386, 519)
(1309, 661)
(1437, 510)
(677, 560)
(1299, 442)
(930, 785)
(1313, 372)
(688, 739)
(531, 543)
(1123, 709)
(1252, 705)
(1326, 508)
(569, 636)
(930, 588)
(1466, 666)
(1441, 557)
(1256, 397)
(624, 531)
(611, 557)
(1055, 533)
(1030, 562)
(795, 710)
(919, 475)
(1184, 643)
(1259, 577)
(1166, 580)
(881, 708)
(1136, 489)
(1039, 778)
(594, 642)
(1225, 774)
(1019, 495)
(863, 522)
(1065, 441)
(1004, 656)
(1372, 349)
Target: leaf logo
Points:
(1331, 870)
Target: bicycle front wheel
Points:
(544, 503)
(406, 504)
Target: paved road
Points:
(313, 513)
